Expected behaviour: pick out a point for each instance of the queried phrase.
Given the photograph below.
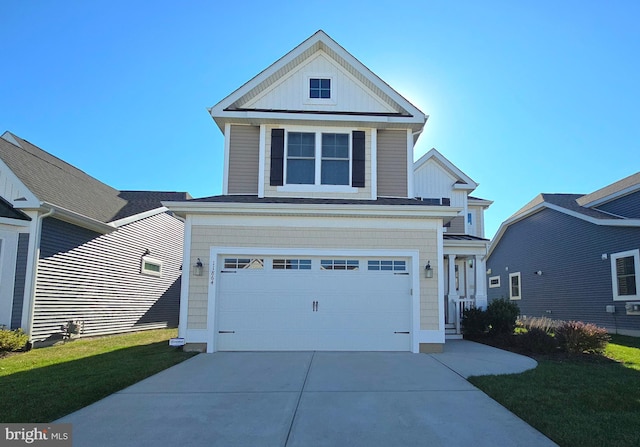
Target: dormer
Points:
(439, 181)
(318, 123)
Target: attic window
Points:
(151, 266)
(319, 88)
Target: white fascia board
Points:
(280, 209)
(480, 202)
(127, 220)
(465, 247)
(77, 219)
(611, 197)
(541, 206)
(261, 117)
(14, 222)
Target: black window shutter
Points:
(357, 148)
(277, 157)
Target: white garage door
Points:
(314, 303)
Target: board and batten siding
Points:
(19, 280)
(244, 159)
(392, 163)
(96, 278)
(576, 282)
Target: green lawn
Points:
(593, 401)
(48, 383)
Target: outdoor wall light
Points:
(470, 263)
(428, 271)
(197, 268)
(539, 273)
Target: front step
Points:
(450, 332)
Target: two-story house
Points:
(573, 257)
(438, 181)
(318, 241)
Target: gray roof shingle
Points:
(57, 182)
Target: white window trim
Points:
(614, 274)
(519, 296)
(317, 186)
(320, 101)
(150, 260)
(493, 286)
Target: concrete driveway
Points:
(313, 399)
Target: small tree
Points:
(502, 315)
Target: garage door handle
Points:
(401, 332)
(314, 306)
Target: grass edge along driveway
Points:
(585, 401)
(47, 383)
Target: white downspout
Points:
(34, 270)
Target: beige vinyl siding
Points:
(392, 163)
(457, 225)
(349, 236)
(244, 148)
(96, 278)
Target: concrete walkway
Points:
(313, 399)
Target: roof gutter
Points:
(77, 219)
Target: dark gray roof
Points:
(602, 193)
(566, 201)
(462, 237)
(57, 182)
(312, 201)
(6, 210)
(141, 201)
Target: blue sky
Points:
(525, 97)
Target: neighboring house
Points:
(573, 257)
(75, 249)
(438, 181)
(318, 241)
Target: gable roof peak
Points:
(463, 180)
(248, 101)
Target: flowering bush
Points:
(576, 337)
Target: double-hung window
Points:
(318, 158)
(515, 292)
(301, 158)
(625, 271)
(335, 159)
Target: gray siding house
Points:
(75, 249)
(573, 257)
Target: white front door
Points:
(313, 303)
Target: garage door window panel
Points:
(339, 264)
(244, 263)
(292, 264)
(387, 265)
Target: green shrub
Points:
(537, 341)
(502, 315)
(576, 337)
(12, 340)
(474, 321)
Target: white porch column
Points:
(481, 282)
(453, 293)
